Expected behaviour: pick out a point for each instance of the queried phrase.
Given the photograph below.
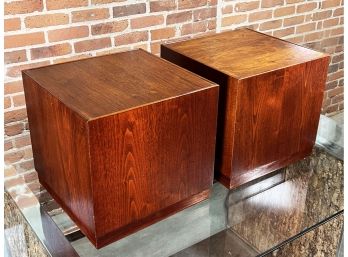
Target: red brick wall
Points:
(41, 32)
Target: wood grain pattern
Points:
(244, 53)
(127, 168)
(270, 99)
(125, 80)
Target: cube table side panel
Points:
(226, 107)
(277, 119)
(152, 161)
(60, 148)
(266, 121)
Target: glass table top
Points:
(252, 220)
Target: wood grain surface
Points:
(127, 168)
(271, 93)
(244, 53)
(113, 83)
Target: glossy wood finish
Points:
(271, 93)
(121, 141)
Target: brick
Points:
(22, 141)
(337, 99)
(331, 85)
(319, 25)
(284, 11)
(338, 12)
(284, 32)
(30, 177)
(15, 56)
(333, 68)
(147, 21)
(330, 3)
(68, 33)
(338, 58)
(28, 153)
(294, 1)
(26, 165)
(160, 6)
(15, 115)
(227, 9)
(307, 7)
(322, 15)
(332, 108)
(293, 20)
(50, 51)
(127, 10)
(8, 145)
(15, 71)
(106, 1)
(296, 40)
(204, 14)
(14, 129)
(334, 76)
(13, 157)
(305, 28)
(24, 39)
(314, 45)
(212, 24)
(329, 42)
(236, 19)
(341, 82)
(337, 31)
(72, 58)
(109, 27)
(18, 100)
(7, 102)
(330, 22)
(26, 6)
(131, 38)
(261, 15)
(313, 36)
(64, 4)
(92, 44)
(13, 87)
(190, 4)
(12, 24)
(339, 48)
(164, 33)
(40, 21)
(271, 3)
(155, 48)
(274, 24)
(193, 28)
(328, 49)
(341, 20)
(179, 17)
(246, 6)
(336, 91)
(90, 15)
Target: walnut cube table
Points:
(271, 93)
(121, 141)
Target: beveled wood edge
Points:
(234, 76)
(236, 182)
(81, 226)
(117, 234)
